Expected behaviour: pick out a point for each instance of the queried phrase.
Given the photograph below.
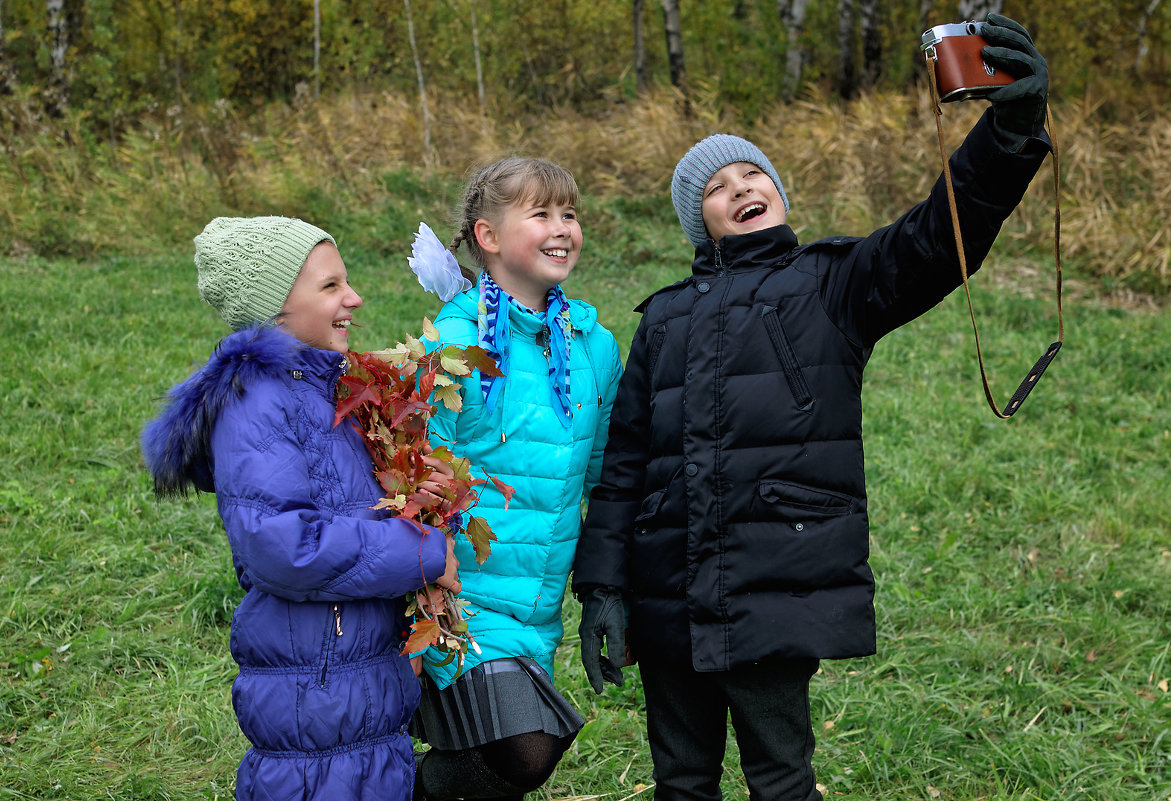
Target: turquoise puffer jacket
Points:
(516, 594)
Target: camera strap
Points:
(1034, 375)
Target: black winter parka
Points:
(731, 510)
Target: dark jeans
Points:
(687, 714)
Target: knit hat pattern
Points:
(694, 170)
(247, 265)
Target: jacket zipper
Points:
(790, 366)
(334, 631)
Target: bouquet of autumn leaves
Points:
(388, 396)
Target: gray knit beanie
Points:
(695, 169)
(247, 265)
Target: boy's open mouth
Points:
(556, 254)
(748, 212)
(342, 324)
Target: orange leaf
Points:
(424, 634)
(504, 489)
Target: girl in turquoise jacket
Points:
(499, 728)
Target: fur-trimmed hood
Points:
(176, 444)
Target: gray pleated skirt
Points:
(493, 700)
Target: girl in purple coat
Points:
(323, 693)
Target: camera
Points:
(960, 71)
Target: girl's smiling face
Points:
(320, 305)
(741, 198)
(531, 248)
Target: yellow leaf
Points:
(1163, 685)
(449, 396)
(415, 347)
(430, 331)
(452, 361)
(398, 355)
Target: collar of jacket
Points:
(743, 251)
(177, 444)
(582, 315)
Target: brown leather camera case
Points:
(961, 73)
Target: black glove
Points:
(1019, 108)
(603, 615)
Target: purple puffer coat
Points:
(322, 694)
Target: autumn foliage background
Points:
(1022, 567)
(157, 116)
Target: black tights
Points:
(503, 769)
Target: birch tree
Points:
(476, 55)
(641, 79)
(792, 14)
(57, 90)
(673, 27)
(872, 66)
(979, 9)
(419, 75)
(1142, 46)
(847, 68)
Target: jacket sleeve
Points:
(602, 549)
(607, 389)
(282, 542)
(874, 285)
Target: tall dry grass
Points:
(847, 168)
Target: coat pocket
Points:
(799, 504)
(802, 397)
(647, 512)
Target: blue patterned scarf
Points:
(495, 337)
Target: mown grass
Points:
(1022, 566)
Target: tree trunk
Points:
(872, 66)
(848, 72)
(673, 27)
(979, 9)
(177, 7)
(7, 74)
(422, 85)
(924, 14)
(316, 48)
(476, 54)
(57, 90)
(792, 14)
(641, 79)
(1142, 47)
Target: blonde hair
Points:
(495, 187)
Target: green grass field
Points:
(1022, 566)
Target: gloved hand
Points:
(1019, 108)
(603, 615)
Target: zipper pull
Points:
(337, 619)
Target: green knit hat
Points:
(247, 265)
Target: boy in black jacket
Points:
(730, 521)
